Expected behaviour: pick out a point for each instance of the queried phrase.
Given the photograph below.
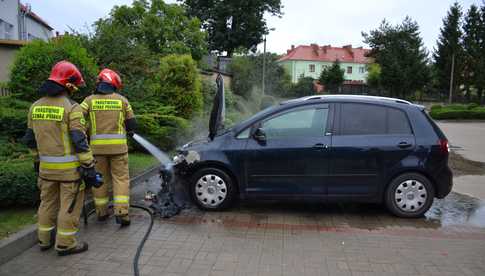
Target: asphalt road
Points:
(469, 137)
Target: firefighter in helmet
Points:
(111, 118)
(56, 135)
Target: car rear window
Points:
(368, 119)
(436, 128)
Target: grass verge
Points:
(140, 162)
(14, 219)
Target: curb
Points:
(17, 243)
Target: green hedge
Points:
(13, 117)
(18, 183)
(458, 111)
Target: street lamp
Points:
(264, 62)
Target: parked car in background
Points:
(327, 148)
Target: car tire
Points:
(409, 195)
(212, 189)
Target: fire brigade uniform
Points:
(110, 117)
(56, 135)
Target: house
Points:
(310, 60)
(19, 22)
(18, 25)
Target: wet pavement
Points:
(280, 238)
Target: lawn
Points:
(140, 162)
(14, 219)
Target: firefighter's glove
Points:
(91, 177)
(130, 133)
(36, 166)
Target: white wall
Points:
(36, 30)
(9, 13)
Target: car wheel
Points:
(212, 189)
(409, 195)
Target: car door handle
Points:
(320, 146)
(404, 145)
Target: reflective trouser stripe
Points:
(45, 228)
(59, 162)
(67, 232)
(120, 200)
(58, 159)
(109, 142)
(108, 136)
(99, 201)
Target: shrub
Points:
(179, 85)
(304, 87)
(453, 114)
(267, 101)
(162, 130)
(13, 117)
(18, 183)
(33, 63)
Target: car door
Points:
(293, 159)
(369, 142)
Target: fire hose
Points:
(163, 203)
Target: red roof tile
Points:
(327, 53)
(35, 17)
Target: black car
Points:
(326, 148)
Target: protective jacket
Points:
(56, 135)
(110, 117)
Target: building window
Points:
(312, 68)
(362, 69)
(6, 30)
(349, 70)
(324, 67)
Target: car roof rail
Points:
(323, 97)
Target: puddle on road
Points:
(458, 209)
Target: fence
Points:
(4, 91)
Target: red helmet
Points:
(65, 72)
(111, 77)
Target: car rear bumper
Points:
(444, 182)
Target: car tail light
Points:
(444, 147)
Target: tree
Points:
(449, 48)
(374, 75)
(33, 63)
(304, 87)
(179, 85)
(481, 82)
(473, 60)
(332, 77)
(400, 52)
(247, 74)
(234, 24)
(132, 39)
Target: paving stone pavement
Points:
(270, 239)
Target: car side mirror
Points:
(259, 135)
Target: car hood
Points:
(216, 121)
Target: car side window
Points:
(367, 119)
(244, 134)
(397, 122)
(309, 122)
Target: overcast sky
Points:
(336, 22)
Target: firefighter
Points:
(56, 136)
(111, 118)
